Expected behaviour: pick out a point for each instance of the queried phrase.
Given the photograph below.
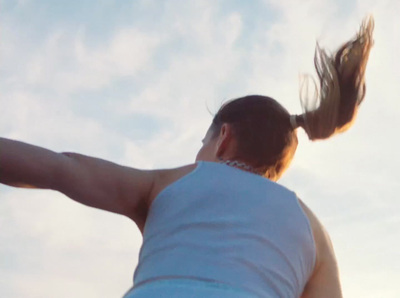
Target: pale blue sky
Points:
(131, 81)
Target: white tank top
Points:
(231, 227)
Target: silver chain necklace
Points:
(239, 165)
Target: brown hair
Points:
(266, 135)
(265, 138)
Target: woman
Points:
(220, 227)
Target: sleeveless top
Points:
(225, 226)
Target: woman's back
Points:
(229, 227)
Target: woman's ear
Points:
(224, 142)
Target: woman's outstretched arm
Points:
(90, 181)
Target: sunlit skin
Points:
(218, 147)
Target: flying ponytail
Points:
(341, 90)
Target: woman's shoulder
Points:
(325, 277)
(321, 236)
(165, 177)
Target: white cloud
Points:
(69, 65)
(195, 58)
(49, 241)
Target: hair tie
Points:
(293, 121)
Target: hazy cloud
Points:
(132, 83)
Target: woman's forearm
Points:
(25, 165)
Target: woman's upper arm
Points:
(325, 280)
(104, 185)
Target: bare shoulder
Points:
(324, 281)
(321, 236)
(142, 187)
(165, 177)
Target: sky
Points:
(136, 82)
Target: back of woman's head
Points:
(261, 126)
(266, 132)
